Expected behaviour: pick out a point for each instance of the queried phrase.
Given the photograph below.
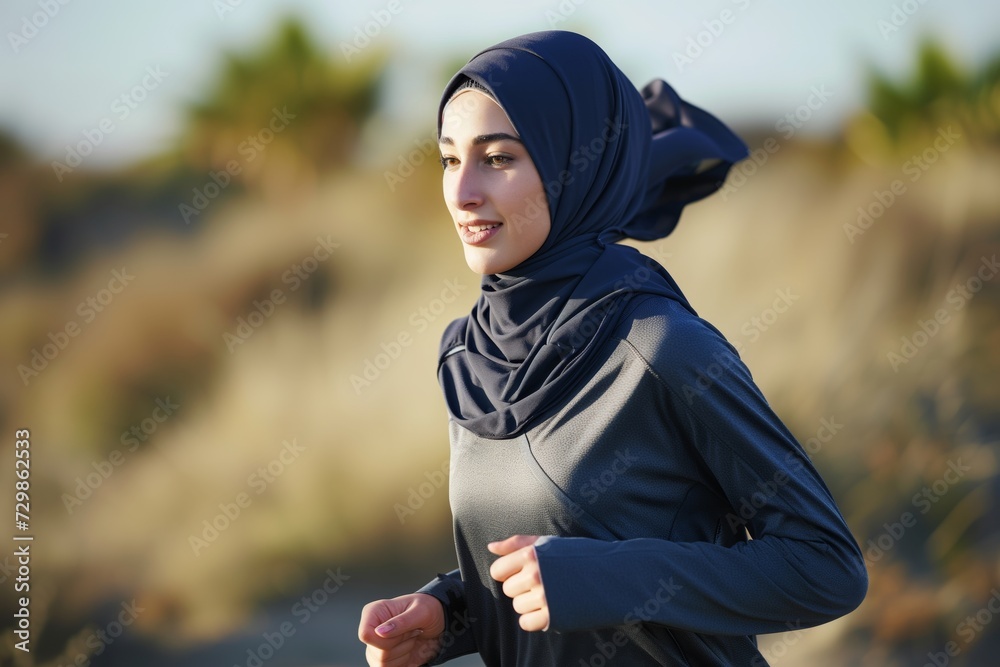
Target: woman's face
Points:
(491, 186)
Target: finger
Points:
(533, 600)
(534, 621)
(503, 568)
(374, 615)
(391, 647)
(511, 544)
(405, 624)
(527, 579)
(508, 565)
(395, 656)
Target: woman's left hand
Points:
(517, 569)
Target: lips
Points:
(478, 233)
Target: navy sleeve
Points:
(458, 638)
(802, 566)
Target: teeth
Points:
(479, 228)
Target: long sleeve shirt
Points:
(684, 517)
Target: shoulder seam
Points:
(687, 410)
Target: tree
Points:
(284, 113)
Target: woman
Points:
(610, 451)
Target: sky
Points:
(748, 61)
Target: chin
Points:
(484, 264)
(482, 269)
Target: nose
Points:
(464, 187)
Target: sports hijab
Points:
(614, 163)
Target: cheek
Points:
(529, 201)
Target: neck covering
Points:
(614, 163)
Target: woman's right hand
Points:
(402, 632)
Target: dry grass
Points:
(826, 356)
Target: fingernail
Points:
(385, 628)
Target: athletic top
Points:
(685, 518)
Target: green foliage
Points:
(328, 98)
(986, 96)
(11, 150)
(939, 91)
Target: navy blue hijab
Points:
(614, 163)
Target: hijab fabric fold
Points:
(614, 163)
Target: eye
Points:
(448, 161)
(498, 160)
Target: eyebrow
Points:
(484, 139)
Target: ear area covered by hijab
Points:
(614, 163)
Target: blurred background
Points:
(225, 266)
